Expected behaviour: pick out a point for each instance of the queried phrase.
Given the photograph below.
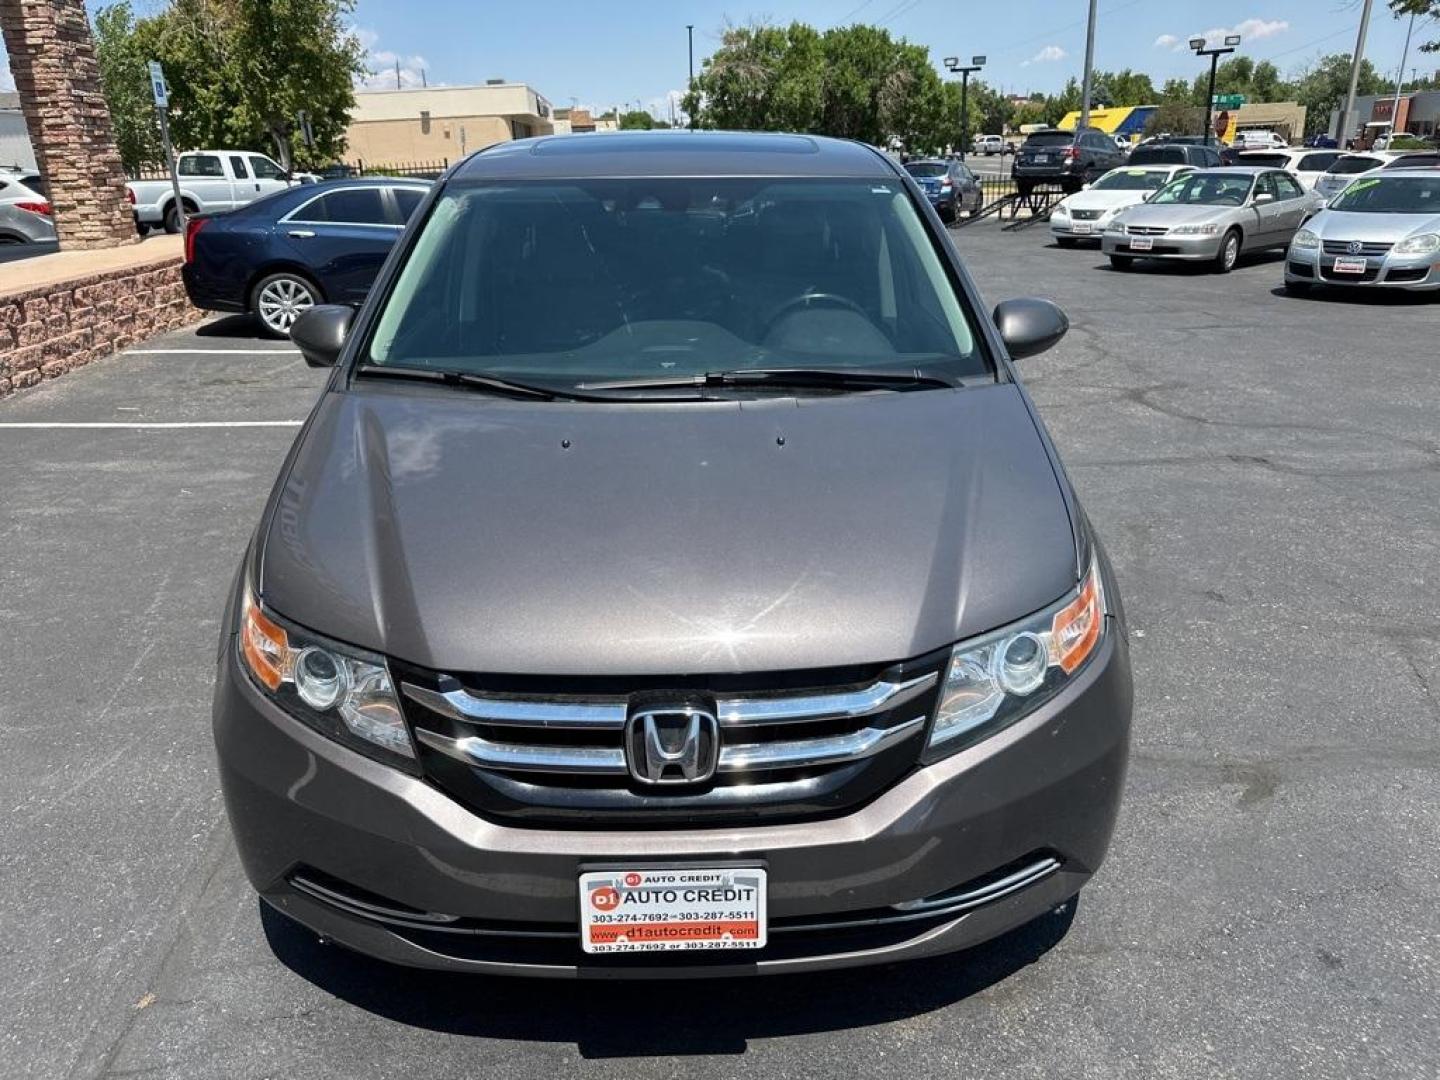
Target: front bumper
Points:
(1419, 273)
(1080, 230)
(1167, 246)
(304, 808)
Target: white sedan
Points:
(1084, 215)
(1307, 166)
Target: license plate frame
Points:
(1142, 243)
(674, 908)
(1344, 264)
(1042, 159)
(1081, 228)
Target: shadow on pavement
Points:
(1359, 297)
(232, 326)
(652, 1019)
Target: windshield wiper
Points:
(473, 380)
(785, 378)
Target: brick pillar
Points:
(53, 60)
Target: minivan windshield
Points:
(564, 282)
(1206, 189)
(1390, 195)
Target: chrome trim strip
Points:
(358, 906)
(950, 905)
(740, 712)
(518, 712)
(460, 704)
(803, 753)
(473, 750)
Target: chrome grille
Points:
(584, 737)
(1342, 247)
(1146, 230)
(1086, 215)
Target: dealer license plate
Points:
(672, 910)
(1080, 227)
(1141, 243)
(1042, 159)
(1350, 266)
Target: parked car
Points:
(1259, 140)
(1214, 216)
(1195, 154)
(1068, 159)
(280, 256)
(989, 145)
(1084, 215)
(1414, 159)
(1307, 166)
(1349, 166)
(1123, 141)
(1322, 142)
(25, 213)
(549, 618)
(211, 182)
(1380, 232)
(949, 185)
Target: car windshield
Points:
(1348, 165)
(1158, 155)
(1206, 189)
(925, 169)
(571, 281)
(1391, 195)
(1269, 161)
(1050, 138)
(1129, 180)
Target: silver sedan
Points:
(1214, 216)
(1382, 231)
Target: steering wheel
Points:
(810, 299)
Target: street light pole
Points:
(952, 64)
(1198, 44)
(690, 86)
(1355, 62)
(1400, 78)
(1089, 70)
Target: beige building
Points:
(581, 121)
(442, 123)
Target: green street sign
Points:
(1229, 101)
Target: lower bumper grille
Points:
(1301, 270)
(1408, 275)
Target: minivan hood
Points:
(473, 534)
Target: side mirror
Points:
(320, 333)
(1027, 325)
(1263, 198)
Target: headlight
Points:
(1116, 227)
(1195, 230)
(340, 691)
(994, 680)
(1423, 244)
(1305, 240)
(1061, 211)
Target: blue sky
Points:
(607, 53)
(602, 53)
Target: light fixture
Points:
(1197, 43)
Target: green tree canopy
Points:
(1322, 87)
(1422, 8)
(636, 120)
(239, 73)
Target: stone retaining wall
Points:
(46, 331)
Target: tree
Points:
(239, 72)
(1422, 8)
(1322, 88)
(127, 87)
(636, 120)
(1242, 75)
(1175, 118)
(1124, 88)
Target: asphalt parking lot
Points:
(1266, 473)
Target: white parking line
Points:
(212, 352)
(139, 425)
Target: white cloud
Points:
(1248, 29)
(660, 107)
(7, 80)
(1048, 54)
(380, 64)
(1167, 41)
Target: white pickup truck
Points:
(211, 182)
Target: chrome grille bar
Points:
(802, 753)
(603, 714)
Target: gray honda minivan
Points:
(673, 578)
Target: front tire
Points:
(1229, 253)
(280, 299)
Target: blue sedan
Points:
(313, 244)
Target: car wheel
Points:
(1122, 262)
(1229, 253)
(279, 300)
(172, 219)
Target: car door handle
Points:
(301, 234)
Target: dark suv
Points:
(1069, 159)
(1176, 153)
